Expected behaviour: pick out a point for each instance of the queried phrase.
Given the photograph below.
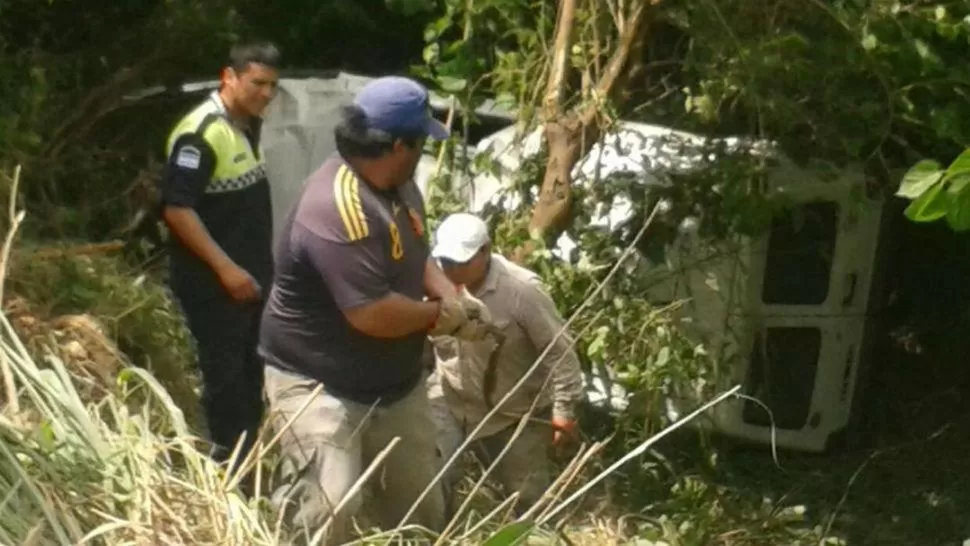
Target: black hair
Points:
(355, 140)
(243, 54)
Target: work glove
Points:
(453, 320)
(451, 317)
(475, 309)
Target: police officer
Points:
(347, 311)
(216, 200)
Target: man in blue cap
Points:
(354, 297)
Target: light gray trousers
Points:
(334, 440)
(525, 468)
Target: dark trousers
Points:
(226, 334)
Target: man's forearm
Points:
(567, 382)
(562, 366)
(393, 316)
(188, 228)
(436, 284)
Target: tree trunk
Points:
(564, 138)
(571, 134)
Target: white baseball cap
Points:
(459, 237)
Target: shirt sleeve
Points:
(537, 314)
(353, 271)
(188, 171)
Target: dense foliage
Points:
(878, 83)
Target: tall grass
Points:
(122, 470)
(79, 473)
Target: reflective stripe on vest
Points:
(237, 167)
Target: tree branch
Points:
(570, 134)
(556, 84)
(629, 35)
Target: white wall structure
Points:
(784, 314)
(298, 134)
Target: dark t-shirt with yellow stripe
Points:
(344, 245)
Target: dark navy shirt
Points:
(344, 245)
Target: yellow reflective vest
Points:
(234, 204)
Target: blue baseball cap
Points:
(396, 104)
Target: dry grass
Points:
(79, 472)
(99, 315)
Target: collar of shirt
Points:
(218, 100)
(495, 270)
(249, 124)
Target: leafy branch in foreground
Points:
(937, 193)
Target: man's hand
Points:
(565, 430)
(187, 228)
(240, 285)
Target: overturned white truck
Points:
(786, 314)
(787, 311)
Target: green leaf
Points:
(431, 53)
(948, 31)
(926, 52)
(921, 177)
(422, 71)
(958, 214)
(452, 85)
(510, 534)
(929, 207)
(437, 28)
(957, 183)
(46, 437)
(595, 348)
(960, 165)
(958, 204)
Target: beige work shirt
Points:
(520, 306)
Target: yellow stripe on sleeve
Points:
(361, 219)
(339, 194)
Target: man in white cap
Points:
(471, 379)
